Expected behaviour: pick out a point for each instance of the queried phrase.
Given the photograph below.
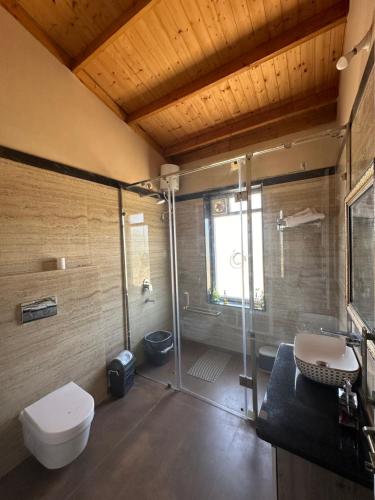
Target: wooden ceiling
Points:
(198, 77)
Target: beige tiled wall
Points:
(302, 300)
(44, 215)
(147, 244)
(299, 263)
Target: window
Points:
(225, 227)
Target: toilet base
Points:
(55, 456)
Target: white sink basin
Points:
(325, 359)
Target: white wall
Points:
(359, 20)
(46, 111)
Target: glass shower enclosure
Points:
(238, 263)
(205, 215)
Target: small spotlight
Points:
(364, 44)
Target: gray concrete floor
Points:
(225, 391)
(155, 444)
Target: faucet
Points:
(358, 340)
(352, 339)
(147, 287)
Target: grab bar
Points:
(199, 310)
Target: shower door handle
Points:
(187, 300)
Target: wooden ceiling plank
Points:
(228, 99)
(308, 65)
(247, 76)
(139, 71)
(243, 21)
(157, 68)
(174, 69)
(270, 82)
(215, 29)
(99, 92)
(194, 15)
(286, 125)
(313, 101)
(289, 12)
(248, 91)
(322, 43)
(226, 19)
(239, 95)
(117, 83)
(335, 51)
(282, 76)
(176, 25)
(181, 124)
(273, 12)
(294, 70)
(260, 89)
(74, 24)
(258, 21)
(19, 13)
(159, 128)
(210, 101)
(114, 31)
(326, 20)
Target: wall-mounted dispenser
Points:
(38, 309)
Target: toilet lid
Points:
(61, 414)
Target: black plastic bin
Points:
(157, 346)
(121, 373)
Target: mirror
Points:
(361, 252)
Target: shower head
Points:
(160, 198)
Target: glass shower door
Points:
(149, 284)
(212, 286)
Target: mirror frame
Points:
(364, 183)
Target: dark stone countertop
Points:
(301, 417)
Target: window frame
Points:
(210, 253)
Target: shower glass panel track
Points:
(209, 298)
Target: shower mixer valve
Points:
(146, 285)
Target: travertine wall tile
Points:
(38, 357)
(301, 300)
(147, 244)
(44, 215)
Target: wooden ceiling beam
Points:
(254, 120)
(304, 31)
(114, 31)
(19, 13)
(284, 126)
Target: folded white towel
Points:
(303, 217)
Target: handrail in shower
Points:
(200, 310)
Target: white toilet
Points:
(56, 428)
